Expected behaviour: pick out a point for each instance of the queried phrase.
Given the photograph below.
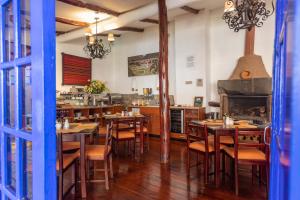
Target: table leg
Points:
(217, 159)
(82, 167)
(141, 137)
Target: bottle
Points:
(66, 124)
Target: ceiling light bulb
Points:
(111, 37)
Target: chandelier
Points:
(245, 14)
(95, 47)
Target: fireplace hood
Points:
(249, 67)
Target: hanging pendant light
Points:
(95, 47)
(245, 14)
(111, 37)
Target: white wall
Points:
(190, 41)
(205, 36)
(133, 44)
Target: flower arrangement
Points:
(96, 87)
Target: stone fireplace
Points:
(248, 92)
(246, 99)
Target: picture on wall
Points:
(198, 101)
(143, 65)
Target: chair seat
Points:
(200, 146)
(96, 152)
(69, 146)
(68, 159)
(246, 153)
(124, 135)
(223, 139)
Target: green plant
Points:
(96, 87)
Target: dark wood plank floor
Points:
(149, 179)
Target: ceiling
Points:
(75, 13)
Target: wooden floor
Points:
(149, 179)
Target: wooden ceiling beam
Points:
(89, 6)
(60, 32)
(152, 21)
(106, 35)
(128, 28)
(71, 22)
(191, 10)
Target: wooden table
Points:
(139, 118)
(83, 130)
(219, 130)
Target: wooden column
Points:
(164, 83)
(249, 43)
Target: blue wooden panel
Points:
(43, 136)
(295, 145)
(43, 97)
(278, 116)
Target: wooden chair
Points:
(197, 141)
(102, 153)
(124, 130)
(254, 153)
(146, 127)
(63, 163)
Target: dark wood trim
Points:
(249, 41)
(132, 29)
(106, 35)
(152, 21)
(164, 83)
(71, 22)
(191, 10)
(60, 32)
(89, 6)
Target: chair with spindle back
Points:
(145, 128)
(249, 153)
(197, 141)
(124, 130)
(102, 153)
(63, 163)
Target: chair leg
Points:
(253, 173)
(223, 166)
(111, 167)
(60, 187)
(148, 142)
(106, 174)
(236, 179)
(76, 176)
(206, 168)
(188, 163)
(267, 179)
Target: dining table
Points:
(82, 130)
(139, 118)
(218, 129)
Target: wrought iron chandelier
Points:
(245, 14)
(95, 47)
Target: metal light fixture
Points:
(95, 47)
(245, 14)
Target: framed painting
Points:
(198, 101)
(143, 65)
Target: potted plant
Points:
(95, 88)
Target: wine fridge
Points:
(177, 120)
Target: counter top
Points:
(171, 107)
(74, 107)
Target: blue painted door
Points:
(285, 146)
(27, 99)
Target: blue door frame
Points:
(285, 146)
(27, 99)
